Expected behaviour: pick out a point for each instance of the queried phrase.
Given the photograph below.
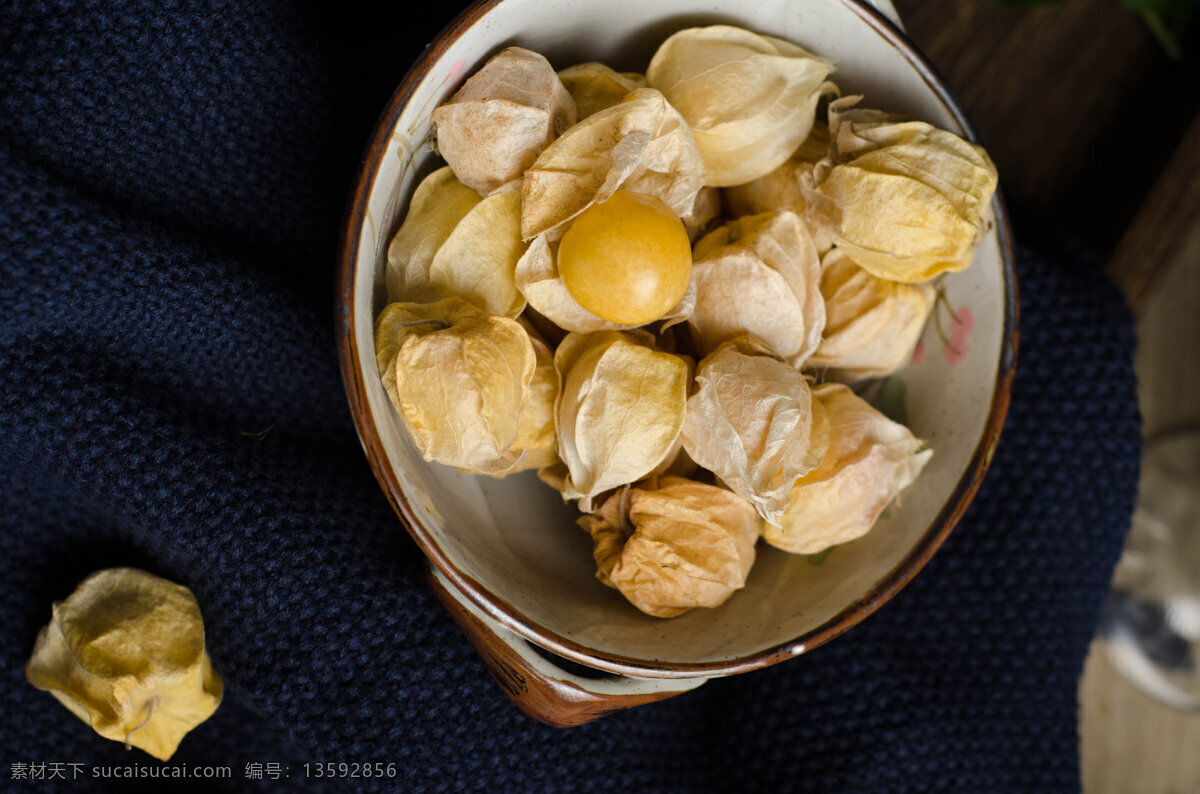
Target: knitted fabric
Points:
(172, 180)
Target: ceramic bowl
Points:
(506, 555)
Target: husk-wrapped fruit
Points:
(904, 199)
(125, 653)
(459, 378)
(749, 99)
(641, 144)
(455, 244)
(780, 190)
(871, 325)
(619, 411)
(501, 119)
(759, 275)
(596, 87)
(753, 422)
(672, 545)
(537, 442)
(870, 460)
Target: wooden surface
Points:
(1080, 108)
(1094, 129)
(1162, 228)
(1130, 743)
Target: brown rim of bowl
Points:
(504, 613)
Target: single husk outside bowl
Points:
(510, 546)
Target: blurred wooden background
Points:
(1091, 125)
(1095, 129)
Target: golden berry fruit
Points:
(626, 260)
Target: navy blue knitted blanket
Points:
(172, 180)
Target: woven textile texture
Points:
(172, 179)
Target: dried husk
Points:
(816, 146)
(619, 411)
(759, 275)
(677, 464)
(438, 204)
(459, 377)
(596, 87)
(537, 442)
(538, 279)
(753, 422)
(453, 243)
(750, 99)
(641, 145)
(501, 119)
(125, 653)
(777, 191)
(904, 199)
(872, 326)
(554, 475)
(869, 461)
(674, 545)
(705, 211)
(780, 189)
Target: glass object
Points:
(1150, 624)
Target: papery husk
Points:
(619, 410)
(904, 199)
(125, 653)
(674, 545)
(869, 461)
(459, 378)
(816, 146)
(753, 422)
(438, 204)
(777, 191)
(780, 189)
(677, 464)
(537, 442)
(759, 275)
(596, 87)
(455, 244)
(537, 277)
(501, 119)
(641, 145)
(705, 212)
(750, 99)
(673, 337)
(872, 326)
(554, 475)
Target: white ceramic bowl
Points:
(509, 550)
